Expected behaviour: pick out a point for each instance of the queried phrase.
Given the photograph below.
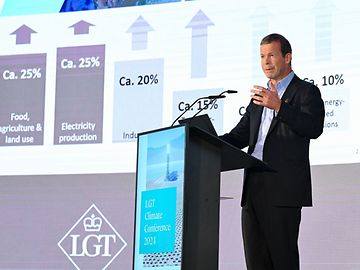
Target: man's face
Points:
(274, 65)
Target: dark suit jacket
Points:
(286, 147)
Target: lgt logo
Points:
(92, 242)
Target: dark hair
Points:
(284, 43)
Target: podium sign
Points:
(159, 199)
(178, 195)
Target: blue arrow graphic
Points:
(199, 24)
(323, 29)
(139, 30)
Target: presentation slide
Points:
(80, 79)
(91, 80)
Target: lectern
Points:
(178, 196)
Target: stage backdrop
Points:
(80, 79)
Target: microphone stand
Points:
(188, 109)
(212, 99)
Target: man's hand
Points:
(265, 97)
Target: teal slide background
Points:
(164, 203)
(27, 7)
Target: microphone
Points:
(216, 96)
(231, 91)
(188, 109)
(212, 99)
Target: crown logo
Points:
(92, 223)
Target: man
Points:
(277, 127)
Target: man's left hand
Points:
(266, 97)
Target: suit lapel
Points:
(286, 98)
(254, 129)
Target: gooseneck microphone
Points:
(188, 109)
(230, 92)
(212, 99)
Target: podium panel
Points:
(159, 200)
(178, 196)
